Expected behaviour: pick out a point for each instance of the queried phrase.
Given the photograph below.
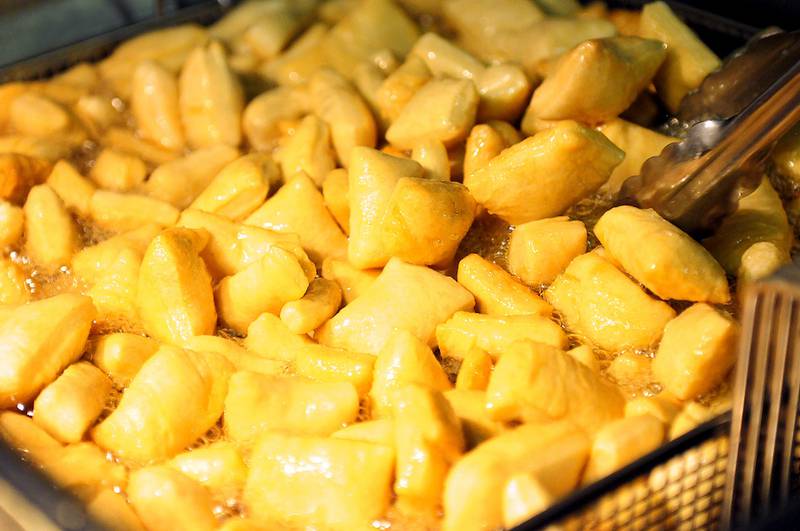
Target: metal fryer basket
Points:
(678, 486)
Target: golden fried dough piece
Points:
(306, 55)
(51, 234)
(154, 104)
(621, 442)
(534, 382)
(400, 86)
(525, 41)
(174, 297)
(379, 431)
(523, 497)
(12, 221)
(39, 339)
(210, 99)
(403, 360)
(696, 352)
(432, 156)
(118, 171)
(232, 247)
(630, 369)
(218, 466)
(49, 149)
(598, 79)
(320, 302)
(20, 432)
(662, 406)
(266, 285)
(503, 88)
(638, 143)
(442, 109)
(585, 354)
(68, 87)
(167, 499)
(269, 336)
(661, 256)
(113, 511)
(13, 289)
(368, 78)
(338, 484)
(369, 27)
(688, 60)
(426, 219)
(264, 114)
(8, 93)
(121, 355)
(116, 211)
(759, 261)
(446, 59)
(96, 113)
(83, 469)
(91, 261)
(274, 29)
(373, 176)
(554, 453)
(241, 358)
(475, 370)
(72, 403)
(495, 334)
(37, 115)
(544, 174)
(325, 364)
(74, 189)
(175, 398)
(404, 296)
(690, 417)
(19, 173)
(169, 47)
(237, 20)
(351, 280)
(258, 403)
(179, 182)
(126, 140)
(599, 302)
(335, 192)
(470, 407)
(308, 151)
(114, 290)
(340, 106)
(428, 440)
(538, 251)
(760, 217)
(491, 16)
(485, 141)
(299, 207)
(786, 155)
(240, 187)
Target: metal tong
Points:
(730, 123)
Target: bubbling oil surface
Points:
(488, 237)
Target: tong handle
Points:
(743, 77)
(765, 120)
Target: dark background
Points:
(31, 27)
(758, 13)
